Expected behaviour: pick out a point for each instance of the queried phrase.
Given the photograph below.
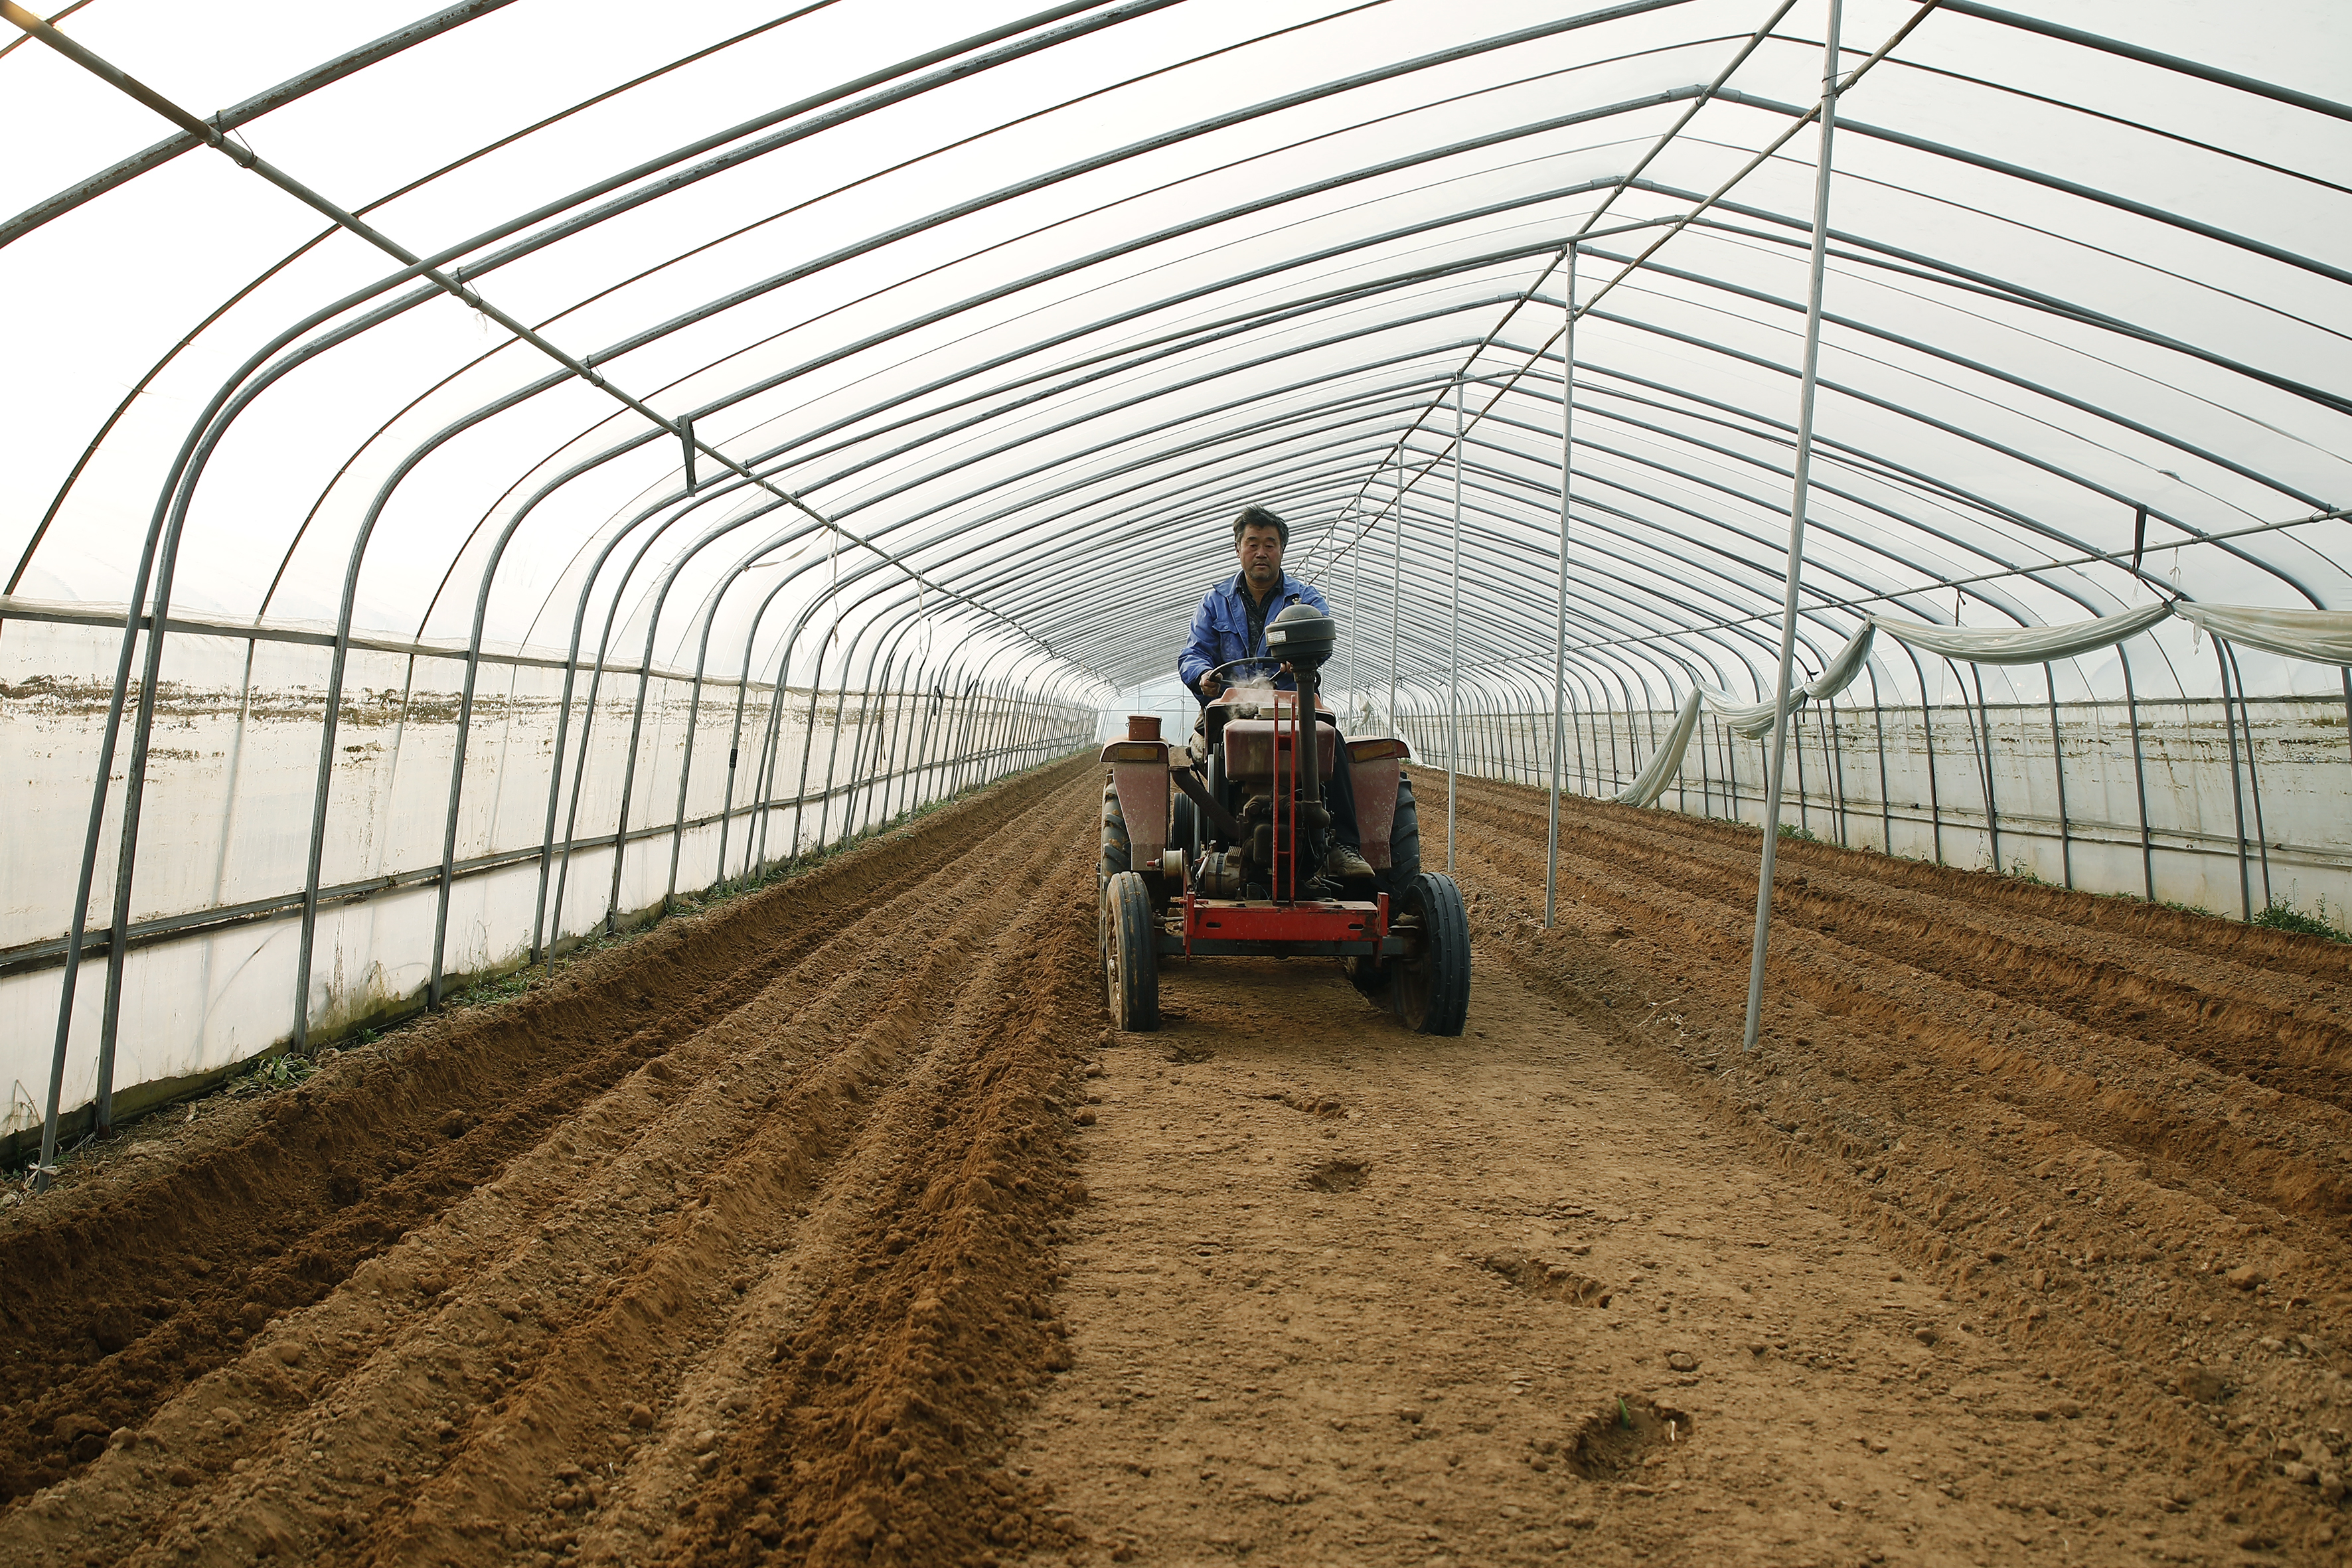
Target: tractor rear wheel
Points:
(1115, 854)
(1432, 982)
(1130, 954)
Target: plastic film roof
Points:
(1006, 313)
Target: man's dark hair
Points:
(1258, 517)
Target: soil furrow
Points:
(2286, 985)
(1916, 1132)
(511, 1317)
(148, 1288)
(2290, 1156)
(830, 1227)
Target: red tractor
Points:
(1209, 851)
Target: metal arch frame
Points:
(161, 597)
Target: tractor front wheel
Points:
(1432, 982)
(1405, 840)
(1132, 955)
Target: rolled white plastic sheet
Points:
(2323, 637)
(2024, 645)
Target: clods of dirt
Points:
(1623, 1432)
(1552, 1280)
(1338, 1176)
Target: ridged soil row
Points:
(2267, 1005)
(2258, 955)
(2127, 1016)
(871, 1438)
(1935, 1111)
(452, 1395)
(115, 1301)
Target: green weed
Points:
(282, 1071)
(2287, 918)
(1803, 834)
(496, 988)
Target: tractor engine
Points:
(1260, 745)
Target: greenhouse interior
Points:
(1615, 745)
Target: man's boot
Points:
(1345, 865)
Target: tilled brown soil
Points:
(737, 1241)
(769, 1238)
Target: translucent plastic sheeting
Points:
(2318, 635)
(2017, 788)
(979, 322)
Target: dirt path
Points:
(2020, 1240)
(799, 1230)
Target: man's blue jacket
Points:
(1221, 631)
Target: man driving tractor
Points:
(1230, 625)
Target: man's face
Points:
(1260, 552)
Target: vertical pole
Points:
(1396, 584)
(2140, 776)
(1560, 602)
(1833, 748)
(1707, 778)
(895, 755)
(1454, 641)
(1885, 799)
(2253, 775)
(808, 745)
(1576, 738)
(1796, 529)
(1796, 739)
(2058, 767)
(2237, 786)
(1355, 621)
(1984, 739)
(919, 760)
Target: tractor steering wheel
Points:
(1275, 665)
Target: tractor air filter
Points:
(1301, 637)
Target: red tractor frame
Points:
(1209, 851)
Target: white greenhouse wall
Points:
(2294, 787)
(227, 814)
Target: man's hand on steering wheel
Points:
(1210, 685)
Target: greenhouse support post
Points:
(1559, 600)
(1396, 579)
(1796, 744)
(2253, 774)
(2139, 775)
(1886, 800)
(735, 743)
(841, 722)
(693, 729)
(902, 733)
(1453, 640)
(2058, 769)
(1355, 618)
(863, 759)
(2237, 785)
(1984, 742)
(808, 743)
(1805, 398)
